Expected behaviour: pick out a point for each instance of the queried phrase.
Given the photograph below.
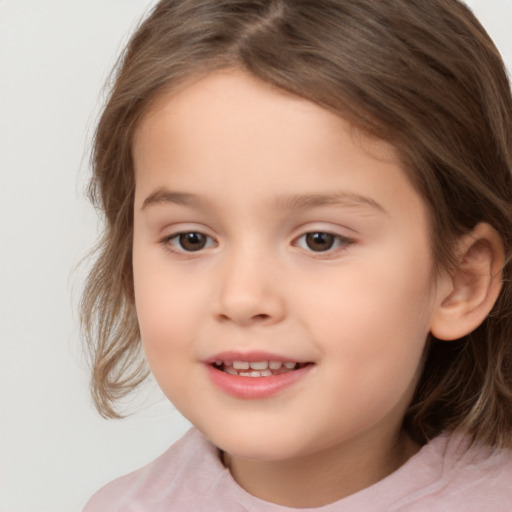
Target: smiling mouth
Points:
(257, 368)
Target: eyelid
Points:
(341, 243)
(339, 238)
(168, 242)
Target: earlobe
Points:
(467, 294)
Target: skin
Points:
(359, 311)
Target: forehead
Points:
(234, 128)
(238, 97)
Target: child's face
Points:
(306, 243)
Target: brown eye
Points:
(192, 241)
(323, 242)
(320, 242)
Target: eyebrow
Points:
(294, 202)
(347, 199)
(164, 196)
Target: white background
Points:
(55, 55)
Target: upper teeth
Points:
(259, 365)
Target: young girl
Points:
(308, 211)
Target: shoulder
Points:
(468, 477)
(475, 462)
(186, 469)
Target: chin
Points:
(257, 444)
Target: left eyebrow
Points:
(346, 199)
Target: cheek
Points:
(167, 323)
(374, 319)
(167, 308)
(164, 317)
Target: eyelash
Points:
(169, 242)
(339, 242)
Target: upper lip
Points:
(251, 357)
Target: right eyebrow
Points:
(165, 196)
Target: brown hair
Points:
(422, 75)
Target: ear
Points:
(466, 295)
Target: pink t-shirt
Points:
(444, 476)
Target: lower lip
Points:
(255, 387)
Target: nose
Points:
(249, 292)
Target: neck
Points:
(323, 477)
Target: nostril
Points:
(261, 316)
(248, 309)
